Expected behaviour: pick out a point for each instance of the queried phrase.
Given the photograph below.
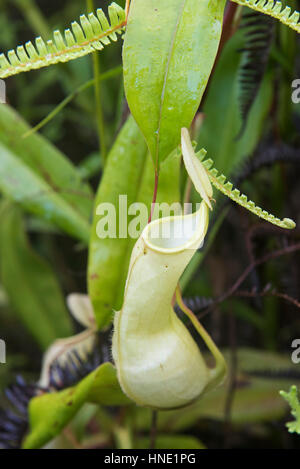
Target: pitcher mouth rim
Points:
(193, 242)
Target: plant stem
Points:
(230, 393)
(98, 95)
(154, 195)
(105, 76)
(228, 25)
(153, 431)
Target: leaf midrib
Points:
(171, 50)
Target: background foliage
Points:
(43, 252)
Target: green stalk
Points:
(98, 95)
(218, 373)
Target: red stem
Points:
(228, 29)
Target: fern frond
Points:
(274, 9)
(292, 398)
(266, 155)
(93, 33)
(219, 182)
(259, 32)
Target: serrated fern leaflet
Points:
(219, 182)
(292, 398)
(93, 33)
(274, 9)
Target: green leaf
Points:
(292, 398)
(169, 51)
(171, 442)
(123, 172)
(29, 282)
(106, 389)
(50, 413)
(36, 175)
